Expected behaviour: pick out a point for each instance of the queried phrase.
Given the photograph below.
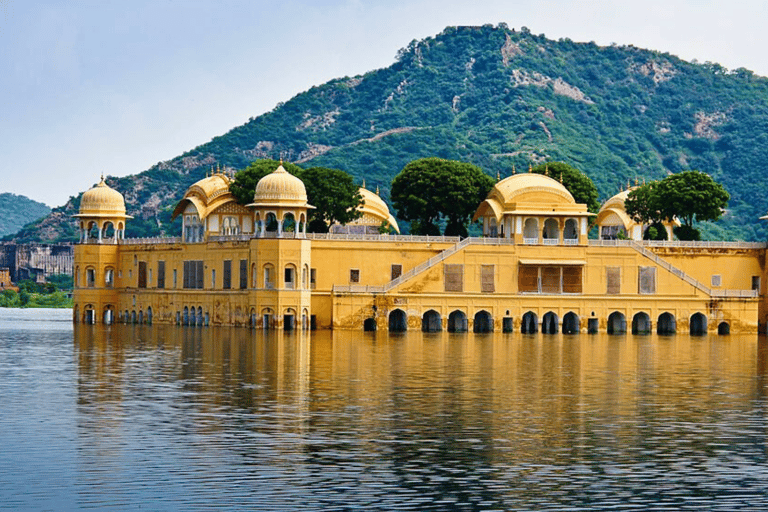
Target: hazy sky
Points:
(117, 86)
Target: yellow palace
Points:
(533, 270)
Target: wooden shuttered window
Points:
(528, 279)
(193, 274)
(243, 274)
(549, 279)
(227, 277)
(397, 271)
(572, 279)
(142, 274)
(646, 278)
(161, 274)
(454, 278)
(487, 278)
(613, 280)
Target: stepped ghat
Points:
(533, 270)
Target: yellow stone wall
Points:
(335, 302)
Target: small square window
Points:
(354, 275)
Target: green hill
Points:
(498, 98)
(16, 211)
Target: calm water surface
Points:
(186, 418)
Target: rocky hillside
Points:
(498, 98)
(16, 211)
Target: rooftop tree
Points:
(429, 190)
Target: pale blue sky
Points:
(117, 86)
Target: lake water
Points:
(201, 418)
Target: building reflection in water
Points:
(425, 411)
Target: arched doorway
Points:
(369, 324)
(483, 322)
(530, 323)
(666, 324)
(398, 321)
(457, 321)
(266, 318)
(571, 323)
(617, 323)
(185, 317)
(149, 315)
(723, 329)
(641, 323)
(431, 321)
(698, 325)
(549, 323)
(289, 319)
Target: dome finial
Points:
(514, 171)
(546, 169)
(363, 182)
(102, 176)
(377, 190)
(530, 167)
(498, 176)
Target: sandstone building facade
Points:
(533, 270)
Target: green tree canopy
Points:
(246, 179)
(433, 189)
(334, 195)
(578, 184)
(688, 196)
(642, 204)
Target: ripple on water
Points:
(191, 419)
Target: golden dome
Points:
(509, 190)
(374, 210)
(280, 188)
(210, 187)
(206, 195)
(102, 201)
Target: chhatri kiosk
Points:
(533, 270)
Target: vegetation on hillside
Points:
(497, 98)
(17, 211)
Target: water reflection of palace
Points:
(525, 394)
(534, 270)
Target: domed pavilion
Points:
(375, 213)
(533, 209)
(102, 214)
(208, 207)
(280, 205)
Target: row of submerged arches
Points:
(550, 323)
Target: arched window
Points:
(571, 232)
(531, 231)
(289, 276)
(109, 277)
(551, 233)
(90, 277)
(289, 223)
(271, 223)
(269, 276)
